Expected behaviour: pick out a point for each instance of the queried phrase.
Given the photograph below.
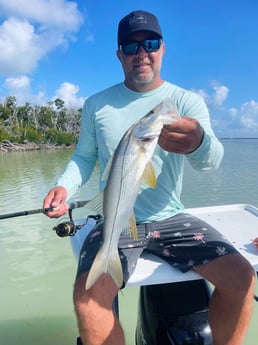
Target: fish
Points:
(129, 167)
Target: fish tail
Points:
(103, 263)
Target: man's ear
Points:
(118, 54)
(163, 47)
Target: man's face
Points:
(142, 70)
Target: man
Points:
(106, 116)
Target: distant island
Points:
(28, 127)
(33, 127)
(7, 146)
(240, 138)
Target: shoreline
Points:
(7, 146)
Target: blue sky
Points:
(67, 49)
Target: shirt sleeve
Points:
(84, 158)
(210, 153)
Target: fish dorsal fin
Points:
(133, 227)
(149, 176)
(96, 203)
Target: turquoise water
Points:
(37, 268)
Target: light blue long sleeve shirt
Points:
(105, 118)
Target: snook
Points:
(128, 168)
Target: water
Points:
(37, 267)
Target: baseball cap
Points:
(137, 21)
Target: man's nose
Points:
(141, 51)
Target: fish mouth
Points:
(147, 138)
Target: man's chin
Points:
(143, 79)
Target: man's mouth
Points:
(141, 66)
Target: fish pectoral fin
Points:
(102, 263)
(133, 227)
(149, 176)
(96, 203)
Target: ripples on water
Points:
(234, 182)
(37, 268)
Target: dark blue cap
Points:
(137, 21)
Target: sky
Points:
(67, 49)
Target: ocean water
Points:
(37, 267)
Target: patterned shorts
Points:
(184, 241)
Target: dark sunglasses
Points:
(131, 48)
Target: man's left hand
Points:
(183, 136)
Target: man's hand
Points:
(255, 242)
(56, 198)
(183, 136)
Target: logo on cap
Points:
(137, 20)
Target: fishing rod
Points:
(63, 229)
(72, 206)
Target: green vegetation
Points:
(49, 124)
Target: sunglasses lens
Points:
(130, 48)
(149, 46)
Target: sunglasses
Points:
(131, 48)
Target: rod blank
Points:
(25, 213)
(73, 205)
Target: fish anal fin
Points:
(149, 176)
(131, 228)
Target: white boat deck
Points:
(239, 223)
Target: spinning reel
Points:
(69, 228)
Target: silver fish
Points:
(128, 168)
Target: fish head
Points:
(148, 129)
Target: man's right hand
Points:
(56, 198)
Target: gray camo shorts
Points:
(184, 241)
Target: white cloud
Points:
(246, 117)
(19, 46)
(29, 32)
(233, 112)
(68, 93)
(249, 115)
(230, 122)
(218, 97)
(239, 122)
(51, 13)
(20, 88)
(22, 82)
